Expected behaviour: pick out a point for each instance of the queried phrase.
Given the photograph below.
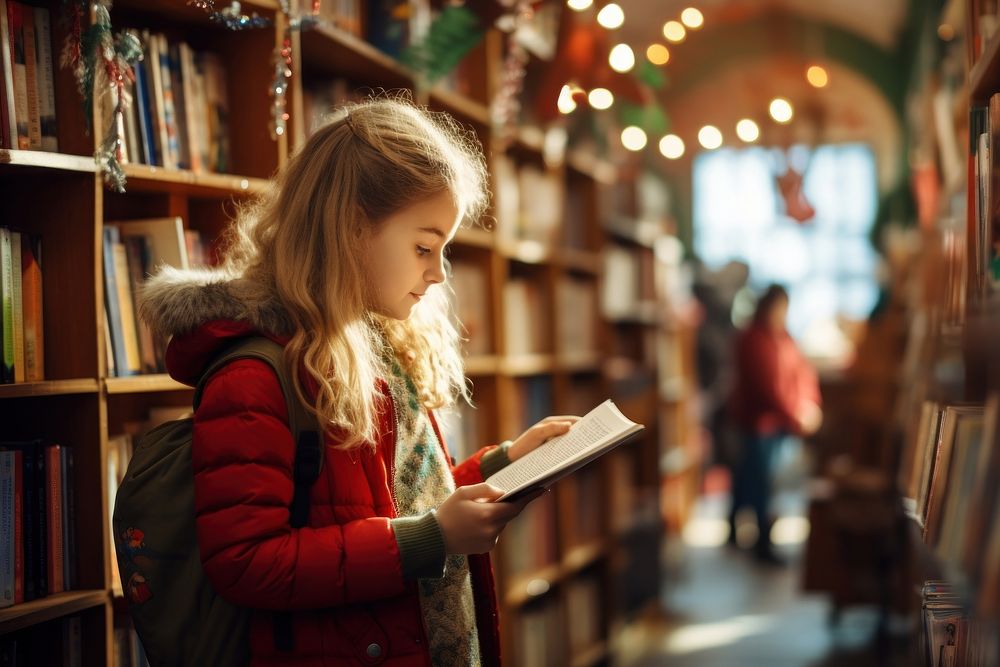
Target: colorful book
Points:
(31, 287)
(54, 515)
(7, 305)
(17, 305)
(45, 76)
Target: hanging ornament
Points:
(507, 103)
(797, 207)
(232, 17)
(102, 63)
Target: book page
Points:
(602, 426)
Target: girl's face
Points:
(406, 254)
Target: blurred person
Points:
(775, 395)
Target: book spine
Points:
(17, 306)
(54, 512)
(113, 309)
(8, 132)
(46, 80)
(6, 530)
(7, 298)
(169, 104)
(31, 287)
(125, 300)
(18, 458)
(15, 26)
(42, 524)
(69, 518)
(31, 78)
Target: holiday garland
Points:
(102, 62)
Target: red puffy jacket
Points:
(340, 576)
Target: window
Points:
(827, 264)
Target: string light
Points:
(672, 146)
(565, 103)
(579, 5)
(817, 76)
(658, 54)
(692, 18)
(611, 16)
(621, 58)
(674, 31)
(601, 98)
(781, 110)
(633, 138)
(747, 130)
(709, 137)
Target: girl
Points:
(343, 263)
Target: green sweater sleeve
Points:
(494, 460)
(421, 545)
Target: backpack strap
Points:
(308, 439)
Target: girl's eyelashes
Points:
(421, 250)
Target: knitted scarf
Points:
(422, 481)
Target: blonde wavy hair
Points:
(304, 241)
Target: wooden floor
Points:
(722, 609)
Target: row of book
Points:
(132, 250)
(37, 521)
(985, 128)
(59, 642)
(21, 317)
(177, 113)
(27, 96)
(529, 200)
(950, 635)
(951, 472)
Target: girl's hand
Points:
(548, 428)
(471, 522)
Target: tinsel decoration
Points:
(454, 33)
(507, 103)
(279, 85)
(102, 63)
(232, 17)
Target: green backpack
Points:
(177, 614)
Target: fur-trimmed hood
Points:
(175, 302)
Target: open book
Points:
(597, 433)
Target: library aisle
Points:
(721, 608)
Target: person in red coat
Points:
(343, 263)
(776, 394)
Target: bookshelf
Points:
(949, 451)
(551, 242)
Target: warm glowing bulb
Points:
(601, 98)
(781, 110)
(692, 18)
(657, 54)
(674, 31)
(710, 137)
(621, 58)
(565, 102)
(672, 146)
(946, 32)
(579, 5)
(817, 76)
(611, 16)
(633, 138)
(747, 130)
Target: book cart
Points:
(533, 294)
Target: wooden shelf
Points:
(482, 364)
(187, 13)
(475, 237)
(31, 160)
(137, 384)
(580, 261)
(984, 79)
(526, 252)
(49, 388)
(579, 362)
(461, 106)
(527, 364)
(145, 178)
(583, 556)
(595, 654)
(533, 585)
(333, 52)
(49, 608)
(591, 167)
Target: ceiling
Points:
(750, 51)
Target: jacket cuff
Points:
(421, 546)
(494, 460)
